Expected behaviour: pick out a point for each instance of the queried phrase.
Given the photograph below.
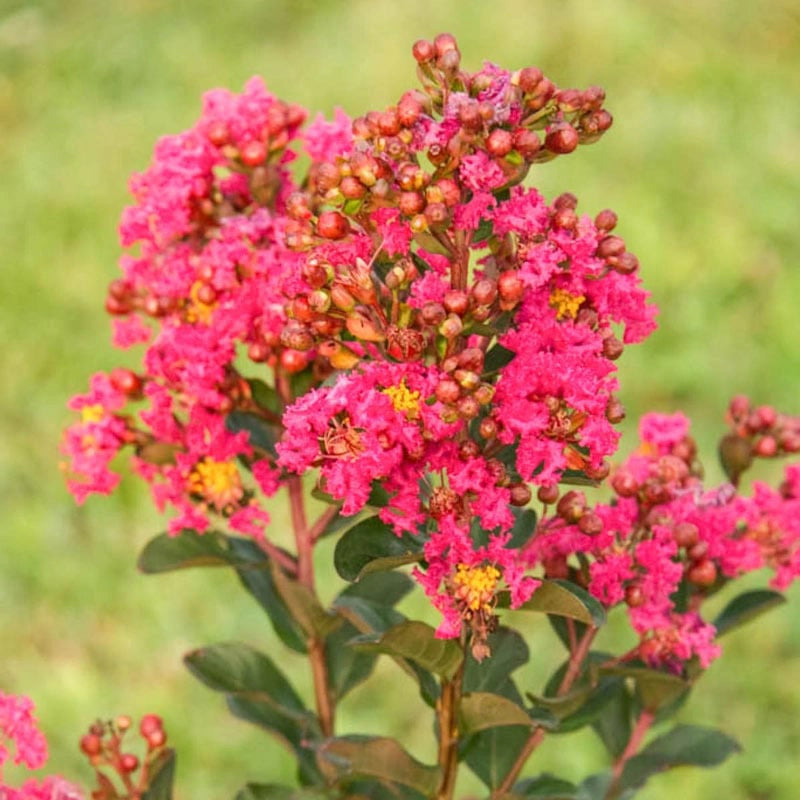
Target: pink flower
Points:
(324, 140)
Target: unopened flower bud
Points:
(332, 225)
(702, 573)
(565, 200)
(606, 220)
(571, 506)
(352, 188)
(526, 143)
(634, 596)
(528, 79)
(450, 191)
(547, 494)
(624, 483)
(590, 524)
(436, 213)
(126, 381)
(128, 762)
(611, 247)
(499, 142)
(736, 455)
(447, 391)
(150, 723)
(520, 494)
(766, 447)
(91, 744)
(360, 325)
(562, 138)
(468, 407)
(484, 291)
(625, 264)
(612, 348)
(456, 302)
(488, 428)
(469, 448)
(510, 286)
(423, 51)
(253, 153)
(451, 326)
(484, 394)
(686, 534)
(466, 379)
(293, 361)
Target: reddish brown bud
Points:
(447, 391)
(565, 200)
(156, 739)
(293, 361)
(520, 494)
(444, 43)
(499, 142)
(128, 762)
(526, 143)
(150, 723)
(571, 506)
(488, 428)
(297, 336)
(451, 327)
(436, 213)
(606, 220)
(612, 348)
(528, 79)
(410, 203)
(332, 225)
(547, 494)
(91, 744)
(590, 524)
(766, 447)
(625, 264)
(566, 219)
(739, 407)
(484, 291)
(409, 110)
(253, 153)
(634, 596)
(468, 449)
(217, 134)
(510, 286)
(449, 190)
(686, 534)
(615, 411)
(432, 313)
(456, 302)
(468, 407)
(624, 484)
(423, 51)
(352, 188)
(611, 247)
(562, 138)
(703, 573)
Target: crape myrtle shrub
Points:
(435, 343)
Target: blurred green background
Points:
(702, 165)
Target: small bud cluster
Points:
(115, 767)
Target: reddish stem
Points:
(638, 733)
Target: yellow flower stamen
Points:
(475, 586)
(404, 399)
(217, 482)
(198, 311)
(565, 303)
(92, 413)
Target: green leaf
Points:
(684, 745)
(595, 787)
(266, 396)
(165, 553)
(482, 710)
(372, 546)
(303, 605)
(565, 599)
(546, 787)
(262, 434)
(354, 757)
(162, 776)
(238, 669)
(490, 754)
(371, 597)
(654, 688)
(509, 652)
(745, 607)
(613, 724)
(300, 736)
(497, 357)
(272, 791)
(417, 642)
(256, 576)
(561, 626)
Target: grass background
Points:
(702, 165)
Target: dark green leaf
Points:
(266, 396)
(417, 642)
(303, 605)
(372, 546)
(745, 607)
(524, 527)
(373, 597)
(684, 745)
(483, 232)
(162, 776)
(561, 625)
(546, 787)
(613, 724)
(262, 435)
(238, 669)
(654, 688)
(482, 710)
(566, 599)
(271, 791)
(577, 477)
(497, 357)
(355, 757)
(256, 576)
(491, 754)
(165, 553)
(300, 736)
(509, 652)
(595, 787)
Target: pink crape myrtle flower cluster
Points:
(19, 728)
(409, 317)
